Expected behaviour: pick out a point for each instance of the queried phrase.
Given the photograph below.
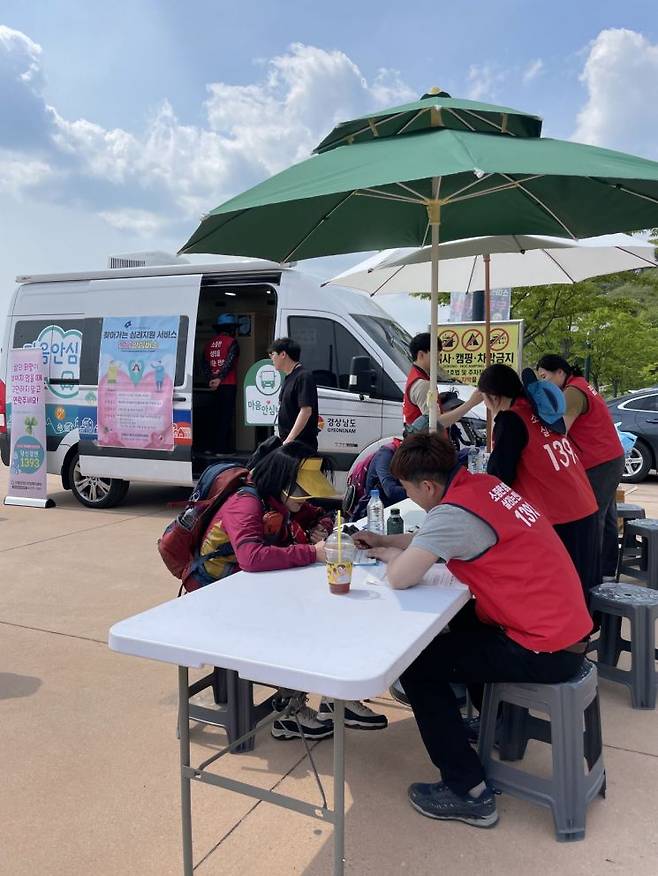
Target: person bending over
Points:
(269, 524)
(532, 454)
(528, 621)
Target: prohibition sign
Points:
(449, 339)
(498, 339)
(472, 340)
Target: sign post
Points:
(464, 353)
(262, 384)
(27, 466)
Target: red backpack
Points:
(180, 544)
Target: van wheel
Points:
(94, 492)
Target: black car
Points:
(637, 412)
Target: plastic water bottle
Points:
(473, 459)
(375, 513)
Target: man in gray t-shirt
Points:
(472, 651)
(451, 533)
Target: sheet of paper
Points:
(438, 576)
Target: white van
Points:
(63, 314)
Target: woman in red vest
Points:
(527, 623)
(415, 399)
(532, 454)
(595, 438)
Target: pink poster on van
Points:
(137, 366)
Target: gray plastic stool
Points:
(625, 513)
(640, 605)
(235, 709)
(640, 552)
(570, 707)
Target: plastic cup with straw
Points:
(340, 558)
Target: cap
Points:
(226, 319)
(311, 483)
(547, 401)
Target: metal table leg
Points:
(185, 782)
(339, 787)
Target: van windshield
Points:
(391, 337)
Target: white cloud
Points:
(141, 222)
(621, 112)
(533, 70)
(483, 81)
(132, 178)
(17, 172)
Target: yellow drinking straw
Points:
(340, 533)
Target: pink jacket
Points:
(241, 519)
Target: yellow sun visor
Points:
(311, 483)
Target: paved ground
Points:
(89, 754)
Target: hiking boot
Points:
(286, 727)
(356, 715)
(439, 802)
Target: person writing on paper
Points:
(269, 524)
(528, 621)
(532, 454)
(415, 400)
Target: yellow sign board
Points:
(463, 354)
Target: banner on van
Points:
(463, 354)
(262, 384)
(27, 465)
(136, 371)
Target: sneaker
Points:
(438, 801)
(356, 715)
(609, 579)
(286, 727)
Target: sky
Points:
(122, 123)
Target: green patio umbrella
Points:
(436, 109)
(431, 185)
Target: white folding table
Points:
(286, 629)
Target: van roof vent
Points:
(144, 260)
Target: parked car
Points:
(637, 412)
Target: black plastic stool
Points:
(640, 605)
(639, 552)
(235, 709)
(626, 512)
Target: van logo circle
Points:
(268, 380)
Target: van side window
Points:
(327, 352)
(60, 341)
(92, 344)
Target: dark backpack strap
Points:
(226, 549)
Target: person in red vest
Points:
(414, 402)
(532, 454)
(220, 359)
(528, 621)
(593, 434)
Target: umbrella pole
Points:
(434, 215)
(487, 334)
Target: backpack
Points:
(356, 484)
(180, 543)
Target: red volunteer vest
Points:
(216, 352)
(549, 474)
(410, 411)
(526, 583)
(593, 434)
